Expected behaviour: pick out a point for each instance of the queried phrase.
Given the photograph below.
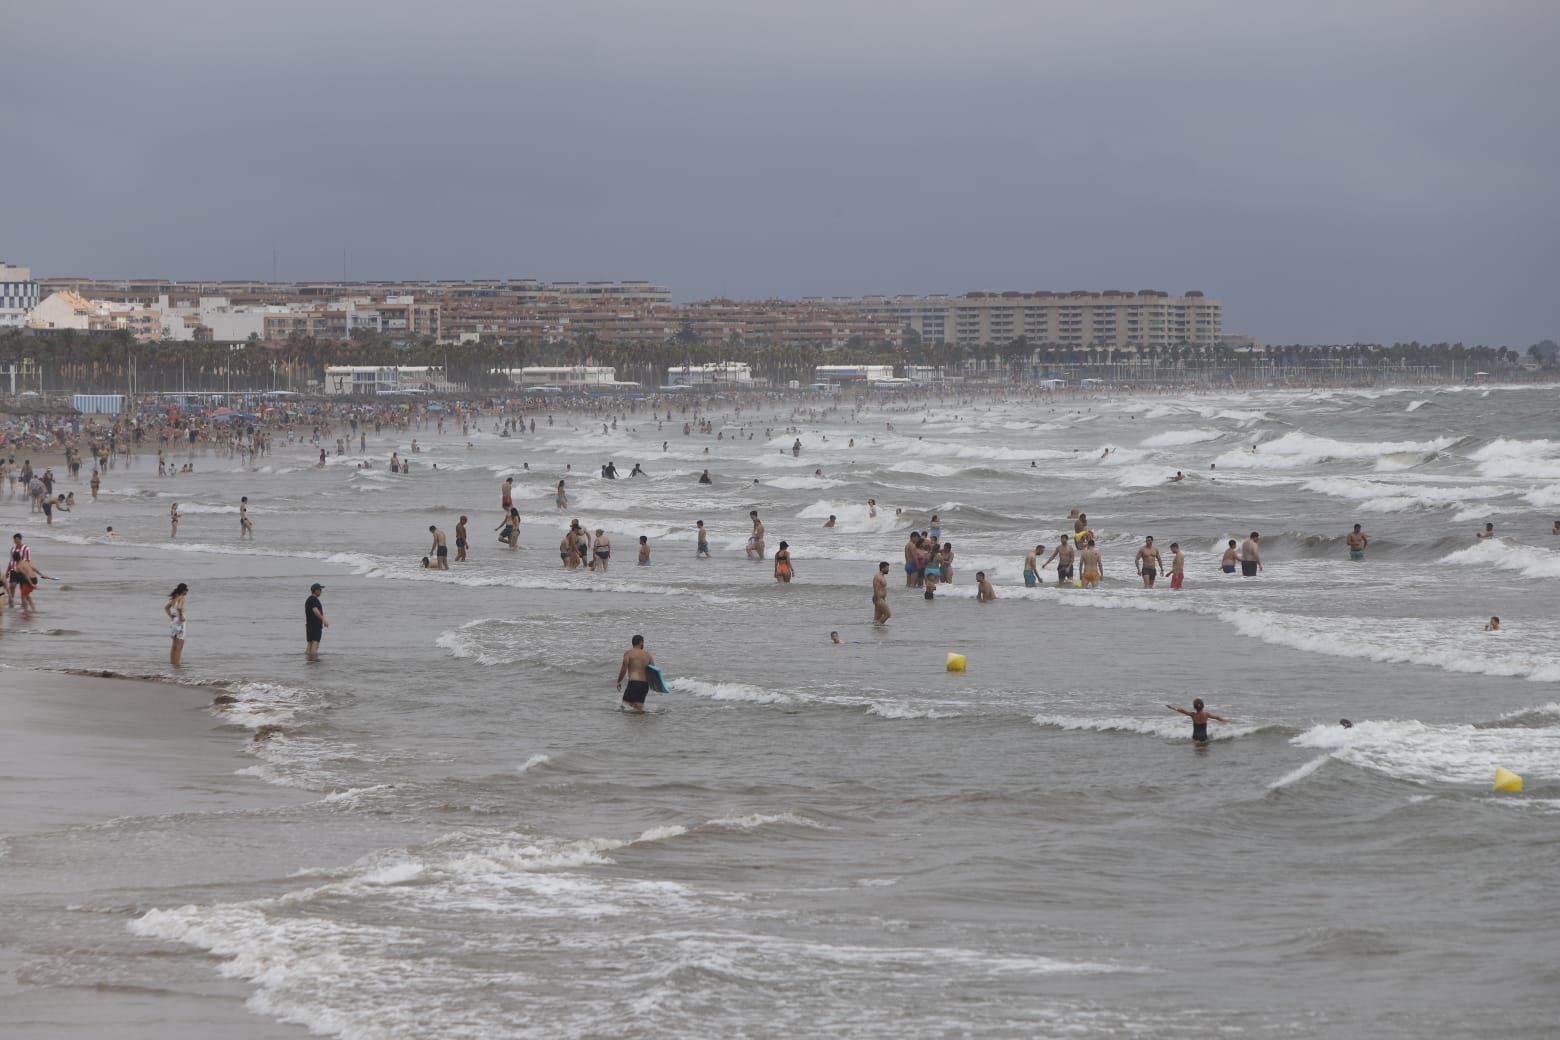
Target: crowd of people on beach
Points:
(929, 559)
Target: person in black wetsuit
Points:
(1199, 716)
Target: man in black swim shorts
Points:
(1250, 556)
(1149, 562)
(635, 660)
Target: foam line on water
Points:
(1426, 753)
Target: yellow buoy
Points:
(956, 664)
(1505, 779)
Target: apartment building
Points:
(1108, 319)
(251, 293)
(18, 295)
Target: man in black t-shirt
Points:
(314, 623)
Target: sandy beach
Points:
(76, 753)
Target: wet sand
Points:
(75, 753)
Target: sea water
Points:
(846, 840)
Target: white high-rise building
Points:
(18, 295)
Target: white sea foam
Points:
(1376, 496)
(945, 450)
(266, 704)
(1299, 773)
(1526, 560)
(1446, 753)
(804, 483)
(1519, 459)
(903, 710)
(1399, 641)
(1544, 497)
(1142, 476)
(729, 692)
(1170, 726)
(1178, 438)
(851, 516)
(753, 821)
(1504, 448)
(1296, 450)
(352, 794)
(533, 762)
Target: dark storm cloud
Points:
(1331, 171)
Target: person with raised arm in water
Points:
(1357, 543)
(1199, 716)
(635, 660)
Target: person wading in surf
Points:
(635, 658)
(1199, 716)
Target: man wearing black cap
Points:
(314, 622)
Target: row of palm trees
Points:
(71, 361)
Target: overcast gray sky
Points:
(1333, 171)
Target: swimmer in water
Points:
(1493, 625)
(1091, 566)
(880, 611)
(1199, 716)
(1032, 567)
(834, 637)
(1357, 542)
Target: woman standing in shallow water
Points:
(783, 570)
(174, 608)
(1199, 716)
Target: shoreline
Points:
(82, 749)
